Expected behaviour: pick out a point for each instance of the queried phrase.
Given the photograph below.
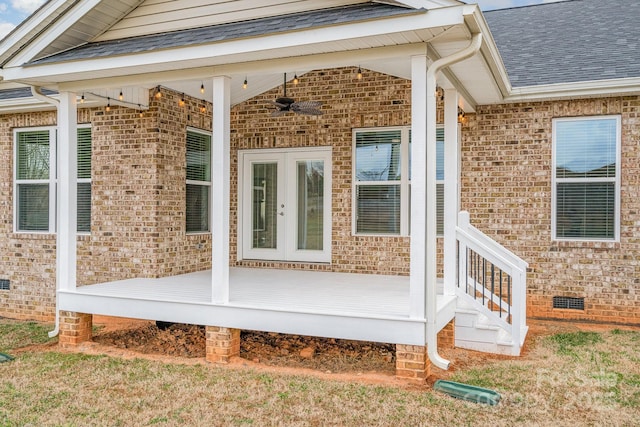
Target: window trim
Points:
(616, 180)
(404, 182)
(200, 183)
(52, 181)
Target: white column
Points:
(417, 291)
(67, 147)
(220, 176)
(451, 188)
(431, 211)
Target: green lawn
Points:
(580, 378)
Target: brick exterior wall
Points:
(138, 205)
(138, 182)
(506, 187)
(376, 100)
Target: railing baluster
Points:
(477, 276)
(501, 296)
(484, 277)
(509, 297)
(493, 279)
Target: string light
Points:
(82, 99)
(295, 79)
(202, 88)
(120, 97)
(158, 94)
(140, 108)
(121, 103)
(359, 75)
(182, 102)
(461, 115)
(244, 85)
(203, 108)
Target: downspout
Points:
(432, 307)
(36, 91)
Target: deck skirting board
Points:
(388, 330)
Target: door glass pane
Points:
(310, 189)
(264, 205)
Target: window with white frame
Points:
(35, 179)
(198, 180)
(382, 184)
(586, 173)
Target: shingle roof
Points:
(230, 31)
(23, 92)
(571, 41)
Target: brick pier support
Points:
(75, 328)
(222, 344)
(447, 336)
(412, 363)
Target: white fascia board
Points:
(594, 88)
(489, 50)
(21, 35)
(172, 58)
(61, 26)
(270, 66)
(19, 105)
(426, 4)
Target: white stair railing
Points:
(492, 279)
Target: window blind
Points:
(198, 156)
(380, 189)
(198, 181)
(33, 155)
(586, 178)
(197, 208)
(33, 207)
(84, 153)
(32, 175)
(84, 180)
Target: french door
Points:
(286, 204)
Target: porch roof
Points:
(232, 31)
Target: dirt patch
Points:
(294, 351)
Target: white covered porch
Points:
(341, 305)
(425, 46)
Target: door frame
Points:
(243, 202)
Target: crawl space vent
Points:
(568, 302)
(5, 285)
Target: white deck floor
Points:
(340, 305)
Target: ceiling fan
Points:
(284, 105)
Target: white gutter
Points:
(36, 91)
(430, 235)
